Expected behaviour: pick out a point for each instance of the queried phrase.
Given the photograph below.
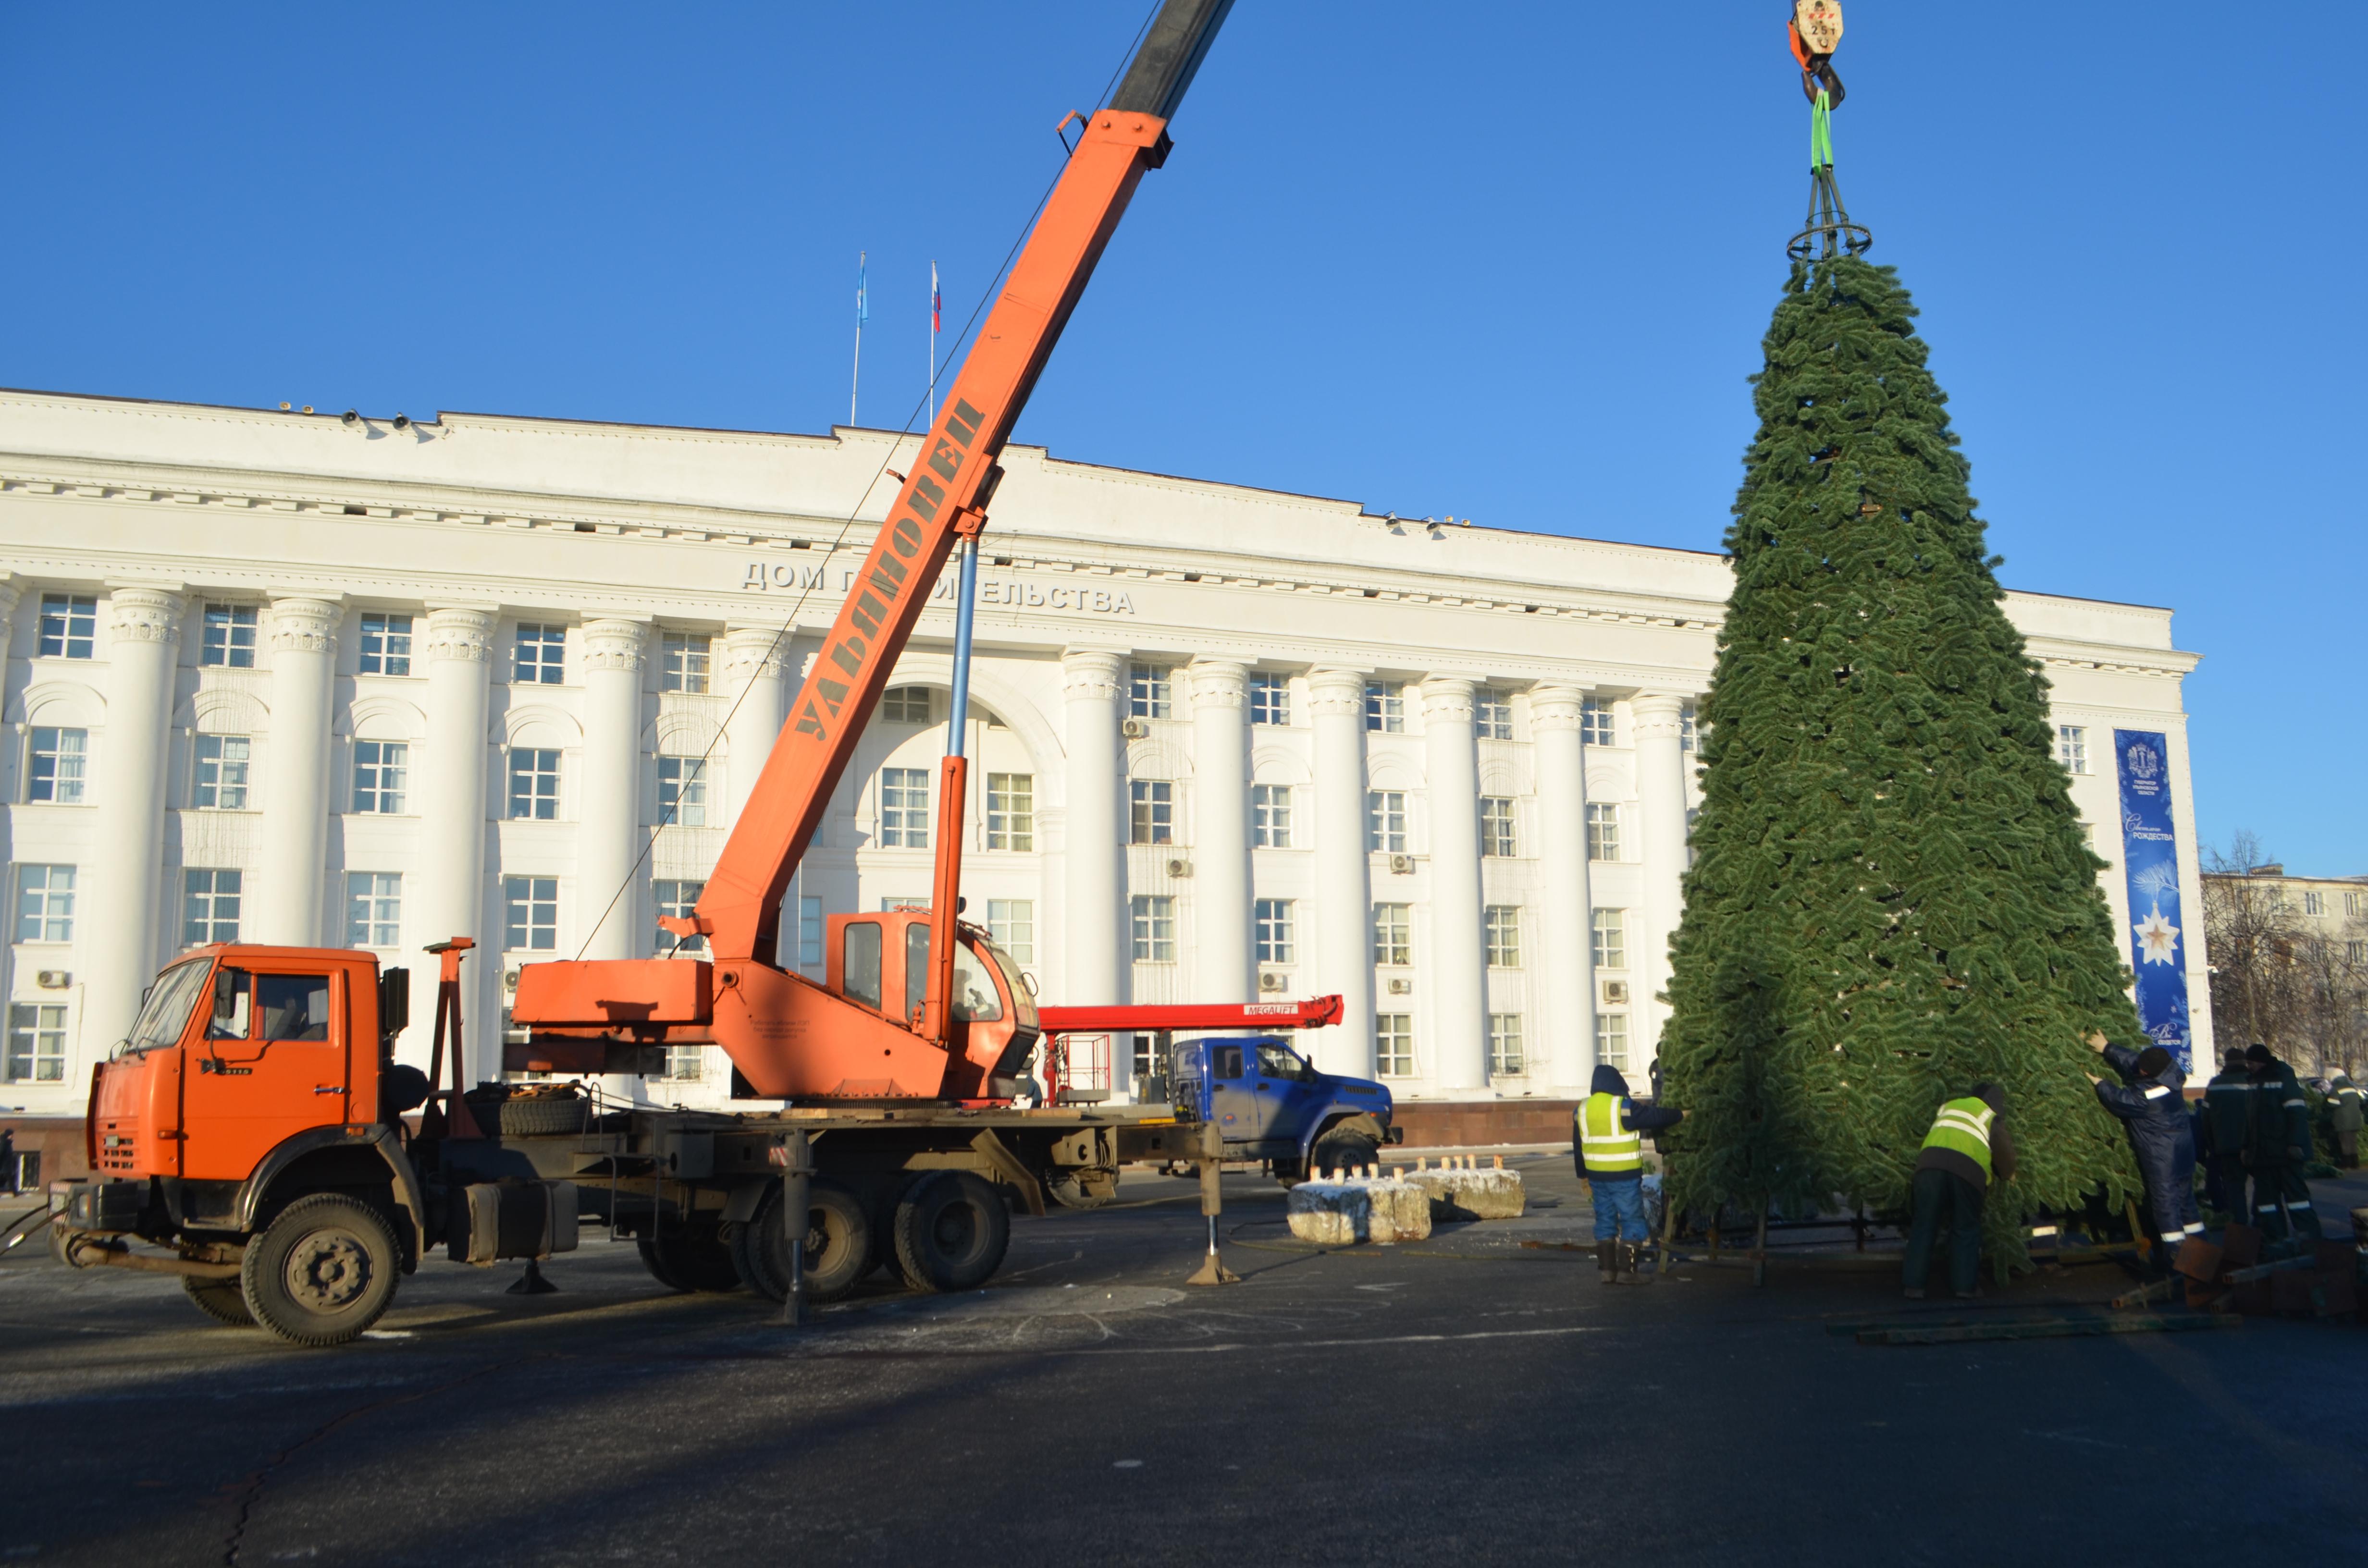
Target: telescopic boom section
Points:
(946, 496)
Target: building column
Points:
(1661, 797)
(1344, 894)
(296, 803)
(608, 821)
(1221, 832)
(453, 816)
(1568, 965)
(1095, 918)
(117, 934)
(753, 660)
(1454, 968)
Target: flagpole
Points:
(862, 312)
(933, 345)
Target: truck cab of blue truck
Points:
(1269, 1103)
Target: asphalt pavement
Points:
(1473, 1400)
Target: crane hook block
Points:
(1817, 28)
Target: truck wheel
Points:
(323, 1271)
(681, 1259)
(1343, 1150)
(839, 1245)
(951, 1232)
(1067, 1188)
(222, 1300)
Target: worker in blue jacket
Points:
(2150, 1098)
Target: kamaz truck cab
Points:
(1269, 1104)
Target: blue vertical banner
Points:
(2150, 860)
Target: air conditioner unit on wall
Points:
(1269, 980)
(510, 980)
(1135, 729)
(53, 980)
(1180, 867)
(1401, 987)
(1615, 993)
(1402, 864)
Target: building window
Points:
(381, 776)
(1689, 731)
(209, 906)
(69, 625)
(1155, 927)
(1269, 816)
(680, 900)
(906, 705)
(530, 916)
(2072, 747)
(37, 1044)
(223, 763)
(1496, 825)
(1393, 1044)
(905, 808)
(809, 928)
(534, 786)
(1594, 723)
(2314, 901)
(1612, 1041)
(2355, 903)
(1611, 949)
(2355, 953)
(683, 660)
(1275, 942)
(54, 765)
(682, 791)
(1602, 832)
(386, 645)
(228, 637)
(1505, 1057)
(1501, 923)
(45, 897)
(1011, 812)
(1151, 809)
(1386, 828)
(684, 1064)
(541, 654)
(1012, 923)
(1394, 935)
(1492, 713)
(1146, 692)
(373, 909)
(1269, 698)
(1385, 707)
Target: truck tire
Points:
(224, 1301)
(1067, 1188)
(323, 1271)
(951, 1232)
(1342, 1151)
(839, 1245)
(690, 1257)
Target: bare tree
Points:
(2332, 968)
(2253, 938)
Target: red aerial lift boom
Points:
(914, 1004)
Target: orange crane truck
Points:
(256, 1124)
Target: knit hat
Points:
(2257, 1053)
(2153, 1059)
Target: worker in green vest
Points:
(1967, 1146)
(1608, 1141)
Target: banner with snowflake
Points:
(2150, 860)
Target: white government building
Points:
(297, 679)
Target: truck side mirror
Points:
(393, 1002)
(225, 993)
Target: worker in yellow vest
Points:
(1967, 1146)
(1608, 1141)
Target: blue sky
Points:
(1509, 262)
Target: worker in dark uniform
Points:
(2343, 1112)
(1968, 1146)
(2228, 1118)
(2280, 1148)
(1609, 1145)
(2150, 1099)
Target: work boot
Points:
(1607, 1262)
(1631, 1256)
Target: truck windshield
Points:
(976, 999)
(170, 1002)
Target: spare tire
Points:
(951, 1232)
(839, 1245)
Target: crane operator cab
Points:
(881, 962)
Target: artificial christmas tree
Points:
(1891, 899)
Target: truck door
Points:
(1288, 1094)
(268, 1061)
(1232, 1092)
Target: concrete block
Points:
(1461, 1189)
(1343, 1211)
